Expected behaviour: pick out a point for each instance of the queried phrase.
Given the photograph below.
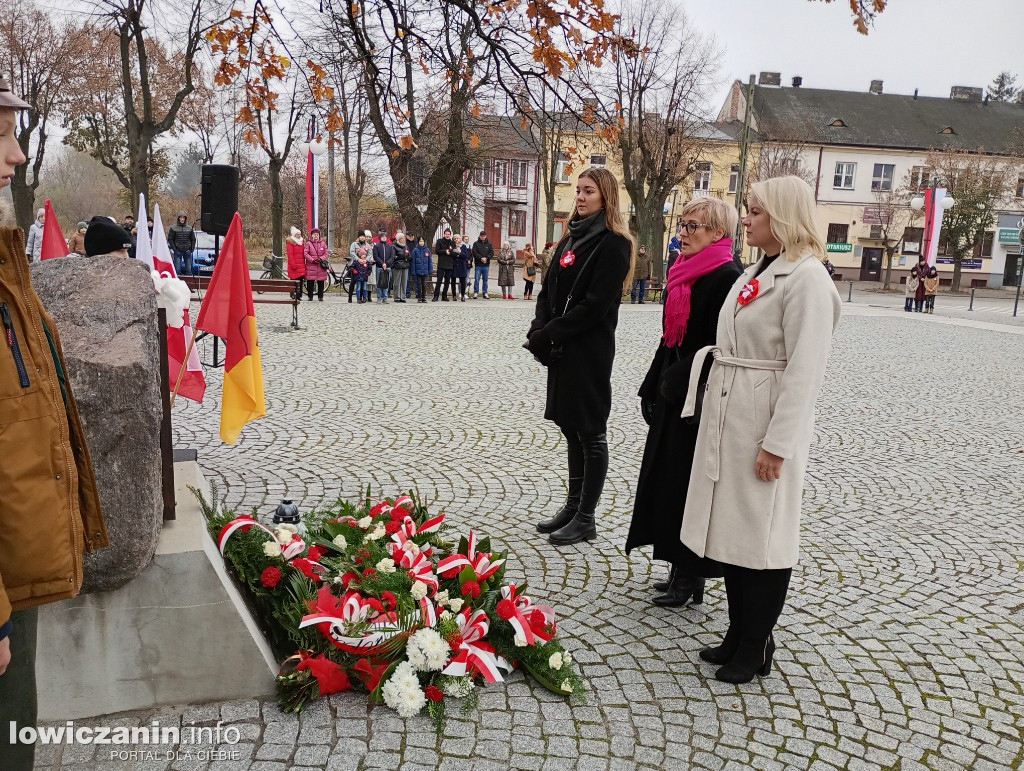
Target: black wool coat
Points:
(579, 395)
(668, 454)
(444, 250)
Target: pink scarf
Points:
(680, 283)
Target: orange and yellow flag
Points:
(227, 312)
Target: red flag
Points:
(227, 312)
(54, 244)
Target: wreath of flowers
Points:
(371, 597)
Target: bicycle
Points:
(334, 279)
(271, 270)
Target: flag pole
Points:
(184, 364)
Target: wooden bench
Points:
(199, 285)
(655, 289)
(837, 276)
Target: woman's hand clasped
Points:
(767, 466)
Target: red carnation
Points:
(349, 577)
(369, 572)
(454, 640)
(433, 693)
(315, 553)
(330, 678)
(270, 576)
(306, 567)
(389, 600)
(392, 527)
(540, 626)
(398, 513)
(506, 609)
(449, 573)
(471, 589)
(374, 603)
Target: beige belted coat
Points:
(769, 364)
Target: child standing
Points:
(931, 288)
(912, 283)
(422, 267)
(362, 271)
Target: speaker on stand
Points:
(219, 188)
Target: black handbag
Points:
(384, 280)
(531, 270)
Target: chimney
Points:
(876, 87)
(769, 79)
(966, 94)
(797, 82)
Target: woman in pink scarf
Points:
(698, 284)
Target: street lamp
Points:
(318, 148)
(935, 201)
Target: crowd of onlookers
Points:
(399, 267)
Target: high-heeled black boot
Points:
(722, 654)
(662, 586)
(568, 511)
(680, 591)
(583, 527)
(752, 657)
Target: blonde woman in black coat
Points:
(573, 335)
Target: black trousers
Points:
(18, 703)
(588, 467)
(527, 289)
(756, 599)
(462, 286)
(445, 281)
(319, 289)
(420, 282)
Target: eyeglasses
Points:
(691, 227)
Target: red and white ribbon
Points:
(243, 522)
(474, 652)
(481, 563)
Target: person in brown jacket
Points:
(49, 508)
(640, 277)
(76, 244)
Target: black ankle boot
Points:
(567, 512)
(722, 654)
(662, 586)
(582, 528)
(680, 591)
(751, 658)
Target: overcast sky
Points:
(926, 44)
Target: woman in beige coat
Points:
(756, 423)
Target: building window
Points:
(520, 173)
(984, 249)
(882, 176)
(843, 179)
(912, 240)
(837, 234)
(920, 177)
(875, 234)
(598, 161)
(482, 174)
(562, 171)
(1020, 187)
(702, 177)
(734, 177)
(789, 166)
(501, 173)
(517, 222)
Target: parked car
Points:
(203, 255)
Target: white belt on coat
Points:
(716, 418)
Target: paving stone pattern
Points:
(901, 646)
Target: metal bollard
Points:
(971, 306)
(849, 296)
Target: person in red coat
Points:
(294, 246)
(315, 253)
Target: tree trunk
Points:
(650, 231)
(22, 192)
(957, 260)
(549, 222)
(889, 252)
(276, 207)
(353, 218)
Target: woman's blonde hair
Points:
(789, 203)
(608, 186)
(713, 212)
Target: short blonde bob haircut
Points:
(713, 212)
(789, 203)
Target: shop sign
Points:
(1009, 236)
(970, 263)
(835, 247)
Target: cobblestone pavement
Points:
(902, 644)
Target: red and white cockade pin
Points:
(567, 259)
(748, 292)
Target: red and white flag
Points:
(157, 255)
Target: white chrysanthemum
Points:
(566, 658)
(386, 565)
(365, 522)
(441, 598)
(456, 604)
(427, 651)
(418, 591)
(566, 685)
(377, 533)
(402, 691)
(340, 542)
(446, 615)
(519, 641)
(555, 661)
(458, 687)
(272, 549)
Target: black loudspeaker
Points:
(220, 198)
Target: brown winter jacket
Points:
(49, 509)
